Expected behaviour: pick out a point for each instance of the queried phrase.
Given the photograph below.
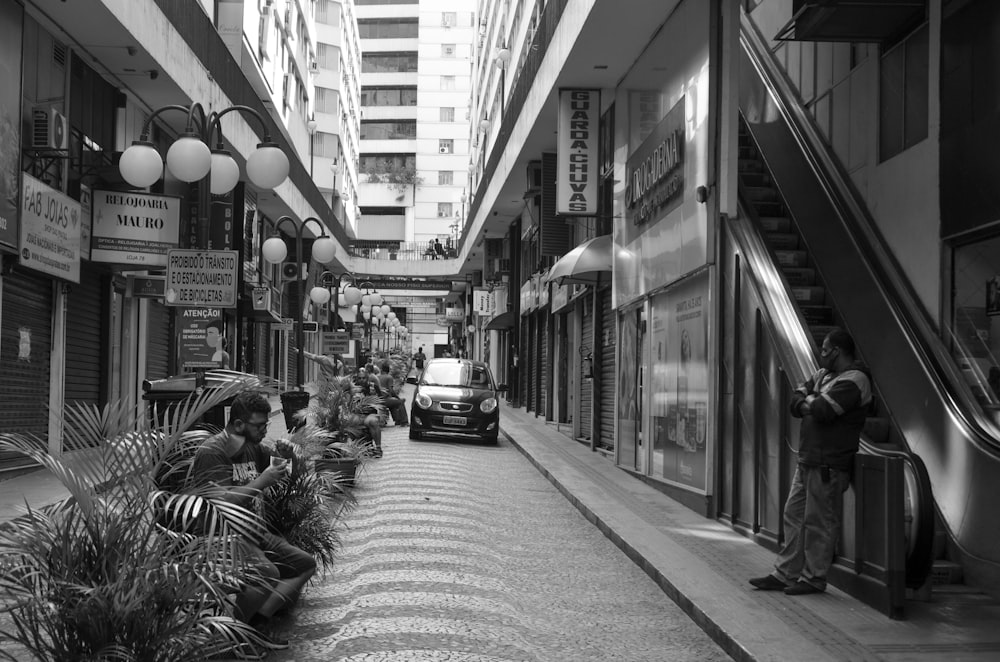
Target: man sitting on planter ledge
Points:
(235, 460)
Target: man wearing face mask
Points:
(833, 405)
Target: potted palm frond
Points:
(113, 571)
(304, 507)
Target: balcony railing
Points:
(399, 250)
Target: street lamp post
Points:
(329, 287)
(501, 61)
(274, 251)
(192, 158)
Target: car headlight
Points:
(422, 400)
(488, 405)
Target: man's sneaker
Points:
(802, 588)
(769, 583)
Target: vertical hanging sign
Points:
(578, 165)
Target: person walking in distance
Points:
(392, 401)
(418, 360)
(833, 405)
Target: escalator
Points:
(835, 270)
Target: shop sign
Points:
(560, 297)
(49, 240)
(528, 298)
(134, 228)
(454, 314)
(482, 302)
(336, 342)
(86, 220)
(541, 290)
(577, 154)
(201, 339)
(655, 172)
(145, 287)
(11, 19)
(202, 278)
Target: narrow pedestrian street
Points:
(458, 551)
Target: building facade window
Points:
(368, 162)
(399, 130)
(389, 96)
(327, 56)
(446, 146)
(449, 19)
(446, 177)
(447, 114)
(444, 209)
(387, 28)
(447, 50)
(325, 145)
(388, 63)
(326, 100)
(447, 82)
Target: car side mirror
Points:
(412, 379)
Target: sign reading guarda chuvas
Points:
(577, 156)
(655, 183)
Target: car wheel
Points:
(414, 434)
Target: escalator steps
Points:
(791, 258)
(809, 294)
(782, 241)
(775, 223)
(797, 276)
(817, 315)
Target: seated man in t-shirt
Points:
(235, 460)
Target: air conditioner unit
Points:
(294, 271)
(49, 129)
(314, 67)
(444, 150)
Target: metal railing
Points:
(400, 250)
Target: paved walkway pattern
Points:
(462, 552)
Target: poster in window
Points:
(681, 383)
(993, 296)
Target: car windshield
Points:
(456, 374)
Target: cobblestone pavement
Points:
(465, 553)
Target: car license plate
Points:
(454, 420)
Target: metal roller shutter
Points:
(586, 385)
(25, 348)
(85, 338)
(608, 393)
(158, 342)
(543, 363)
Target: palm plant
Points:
(123, 569)
(337, 407)
(304, 507)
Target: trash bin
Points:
(164, 395)
(291, 403)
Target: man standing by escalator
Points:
(833, 405)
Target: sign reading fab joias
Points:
(577, 157)
(201, 278)
(49, 240)
(134, 228)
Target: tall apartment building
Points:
(334, 125)
(415, 137)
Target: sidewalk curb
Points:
(745, 630)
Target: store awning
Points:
(585, 263)
(501, 322)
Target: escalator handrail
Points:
(798, 361)
(896, 290)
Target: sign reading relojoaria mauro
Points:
(201, 279)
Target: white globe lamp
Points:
(323, 250)
(140, 164)
(189, 159)
(319, 295)
(225, 172)
(267, 166)
(352, 295)
(274, 250)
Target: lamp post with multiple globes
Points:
(199, 155)
(274, 251)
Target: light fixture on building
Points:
(484, 125)
(501, 57)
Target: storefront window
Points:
(975, 326)
(680, 380)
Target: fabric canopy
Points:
(585, 263)
(501, 322)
